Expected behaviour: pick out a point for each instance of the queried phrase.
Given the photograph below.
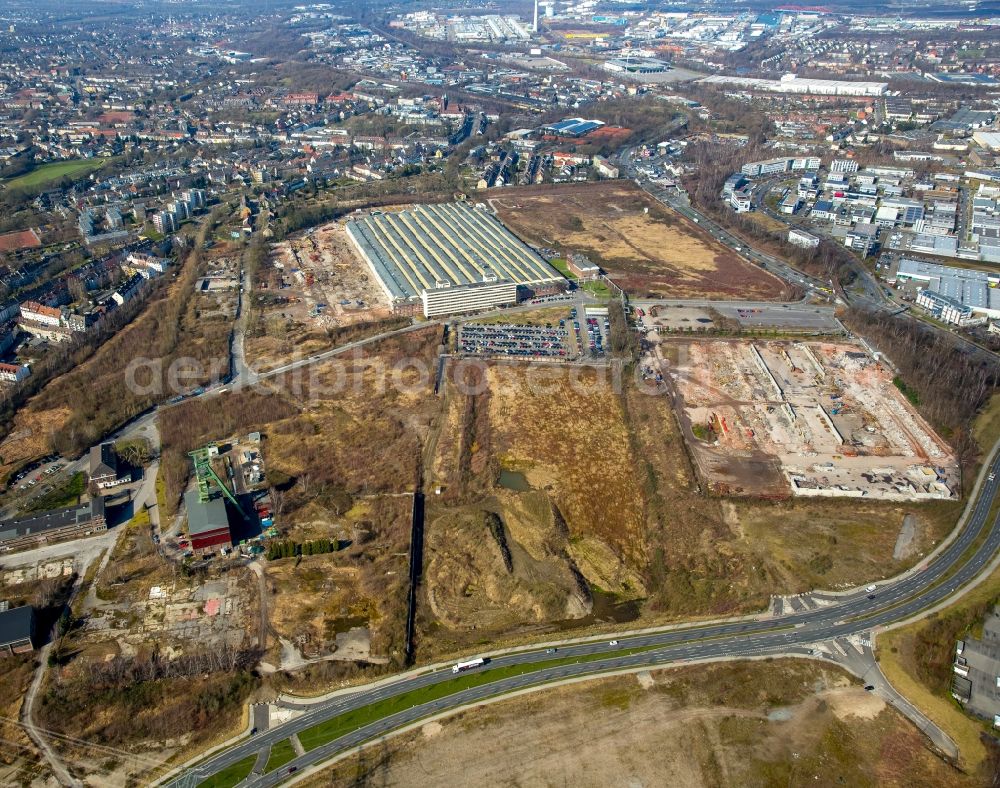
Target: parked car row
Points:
(513, 340)
(595, 335)
(29, 471)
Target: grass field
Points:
(646, 248)
(530, 317)
(48, 173)
(66, 494)
(559, 263)
(281, 753)
(597, 289)
(231, 775)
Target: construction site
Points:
(312, 286)
(776, 418)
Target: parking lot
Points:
(504, 339)
(569, 338)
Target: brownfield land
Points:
(155, 661)
(313, 292)
(75, 410)
(803, 418)
(160, 660)
(20, 763)
(349, 605)
(761, 723)
(654, 254)
(570, 506)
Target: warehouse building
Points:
(790, 83)
(450, 258)
(57, 525)
(974, 291)
(976, 679)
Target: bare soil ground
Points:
(313, 283)
(760, 414)
(468, 586)
(781, 723)
(658, 253)
(603, 488)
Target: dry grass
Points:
(822, 544)
(615, 468)
(19, 759)
(697, 726)
(987, 425)
(321, 595)
(577, 448)
(655, 253)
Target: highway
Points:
(956, 564)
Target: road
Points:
(934, 582)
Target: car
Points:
(991, 477)
(871, 588)
(292, 769)
(613, 643)
(550, 651)
(871, 596)
(869, 687)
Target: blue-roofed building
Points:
(975, 291)
(573, 127)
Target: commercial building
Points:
(843, 165)
(58, 525)
(976, 680)
(754, 169)
(17, 629)
(976, 290)
(948, 309)
(208, 521)
(451, 252)
(790, 83)
(802, 238)
(448, 300)
(104, 466)
(987, 139)
(573, 127)
(862, 238)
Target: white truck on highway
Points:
(461, 667)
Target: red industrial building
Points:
(208, 522)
